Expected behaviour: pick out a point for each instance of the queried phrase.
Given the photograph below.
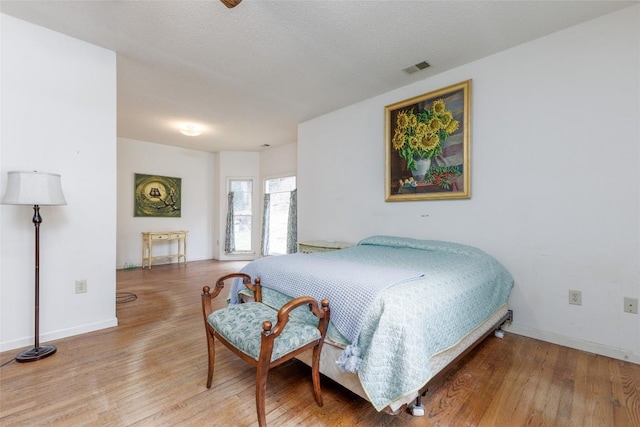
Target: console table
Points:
(151, 237)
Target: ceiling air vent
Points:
(419, 66)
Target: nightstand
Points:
(321, 246)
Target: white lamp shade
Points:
(33, 188)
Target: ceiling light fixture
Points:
(190, 130)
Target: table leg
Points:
(149, 247)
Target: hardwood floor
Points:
(151, 371)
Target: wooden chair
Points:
(263, 336)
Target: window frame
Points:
(252, 215)
(264, 191)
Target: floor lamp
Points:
(37, 189)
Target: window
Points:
(241, 218)
(277, 226)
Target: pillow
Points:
(424, 245)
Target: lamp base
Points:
(36, 353)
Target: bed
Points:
(402, 309)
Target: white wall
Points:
(555, 186)
(197, 170)
(58, 115)
(278, 161)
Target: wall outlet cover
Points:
(81, 286)
(575, 297)
(631, 305)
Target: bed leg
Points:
(508, 318)
(417, 409)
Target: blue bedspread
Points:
(351, 287)
(414, 318)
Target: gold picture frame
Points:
(427, 146)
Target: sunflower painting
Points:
(157, 196)
(427, 146)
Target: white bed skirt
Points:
(331, 353)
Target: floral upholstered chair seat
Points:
(241, 325)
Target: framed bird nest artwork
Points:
(158, 196)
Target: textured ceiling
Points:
(250, 74)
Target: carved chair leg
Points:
(315, 374)
(261, 391)
(212, 357)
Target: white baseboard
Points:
(55, 335)
(122, 267)
(603, 350)
(615, 353)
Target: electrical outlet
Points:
(81, 286)
(631, 305)
(575, 297)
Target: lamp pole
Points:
(37, 220)
(37, 352)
